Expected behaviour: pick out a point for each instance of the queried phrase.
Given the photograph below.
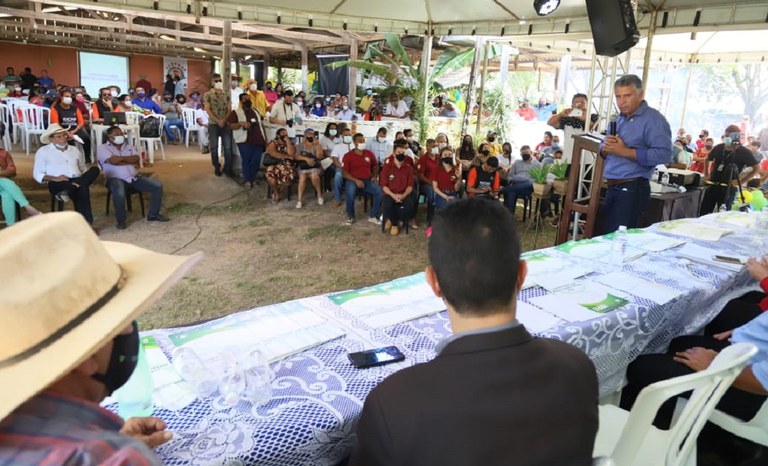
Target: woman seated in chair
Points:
(66, 113)
(10, 192)
(309, 154)
(742, 320)
(280, 175)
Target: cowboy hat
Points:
(65, 294)
(52, 129)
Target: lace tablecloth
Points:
(318, 395)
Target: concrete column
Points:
(352, 74)
(304, 69)
(226, 54)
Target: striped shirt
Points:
(51, 429)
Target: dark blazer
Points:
(500, 398)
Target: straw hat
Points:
(52, 129)
(65, 294)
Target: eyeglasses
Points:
(218, 81)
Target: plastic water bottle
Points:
(619, 248)
(134, 399)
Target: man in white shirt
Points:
(396, 108)
(286, 114)
(380, 146)
(201, 116)
(345, 113)
(119, 161)
(62, 167)
(337, 155)
(235, 90)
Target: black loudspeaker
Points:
(614, 29)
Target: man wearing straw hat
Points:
(62, 167)
(70, 340)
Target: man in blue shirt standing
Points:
(641, 142)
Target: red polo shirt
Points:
(359, 166)
(428, 166)
(446, 180)
(396, 179)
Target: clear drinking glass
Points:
(192, 369)
(258, 377)
(232, 382)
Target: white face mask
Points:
(128, 103)
(435, 150)
(318, 105)
(66, 100)
(119, 140)
(361, 146)
(113, 93)
(346, 139)
(300, 102)
(253, 87)
(61, 146)
(345, 107)
(2, 86)
(332, 132)
(409, 138)
(442, 145)
(219, 85)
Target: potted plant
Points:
(560, 185)
(539, 175)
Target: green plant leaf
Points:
(393, 41)
(539, 174)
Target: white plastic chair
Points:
(5, 119)
(150, 142)
(190, 124)
(36, 119)
(630, 439)
(17, 117)
(754, 430)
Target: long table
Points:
(318, 395)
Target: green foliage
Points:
(499, 100)
(559, 170)
(539, 174)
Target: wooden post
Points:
(504, 68)
(304, 69)
(648, 47)
(265, 76)
(426, 61)
(353, 75)
(226, 55)
(471, 91)
(481, 98)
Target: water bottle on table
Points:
(619, 248)
(134, 399)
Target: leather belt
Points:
(622, 181)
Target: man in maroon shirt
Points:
(360, 167)
(396, 182)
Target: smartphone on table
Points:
(376, 357)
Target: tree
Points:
(750, 81)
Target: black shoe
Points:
(206, 150)
(218, 171)
(157, 218)
(121, 225)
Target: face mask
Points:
(128, 103)
(542, 105)
(708, 147)
(327, 99)
(380, 139)
(17, 89)
(526, 157)
(2, 86)
(361, 146)
(119, 140)
(345, 107)
(400, 157)
(122, 361)
(442, 145)
(310, 139)
(447, 161)
(318, 105)
(300, 103)
(332, 132)
(486, 152)
(409, 138)
(219, 85)
(169, 99)
(369, 92)
(555, 145)
(80, 98)
(246, 104)
(525, 105)
(491, 138)
(61, 146)
(728, 141)
(66, 100)
(113, 93)
(346, 139)
(701, 136)
(141, 94)
(269, 87)
(435, 151)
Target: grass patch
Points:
(327, 232)
(182, 209)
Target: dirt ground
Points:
(255, 253)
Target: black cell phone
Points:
(376, 357)
(613, 128)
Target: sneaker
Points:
(387, 225)
(157, 218)
(374, 220)
(394, 231)
(217, 171)
(121, 225)
(62, 196)
(206, 150)
(299, 205)
(350, 221)
(320, 201)
(414, 225)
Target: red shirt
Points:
(764, 302)
(446, 180)
(396, 179)
(359, 166)
(427, 166)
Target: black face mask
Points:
(247, 104)
(526, 157)
(447, 160)
(310, 139)
(486, 152)
(491, 138)
(122, 361)
(400, 157)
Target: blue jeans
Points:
(369, 188)
(440, 202)
(118, 188)
(624, 204)
(428, 192)
(338, 183)
(513, 191)
(214, 133)
(169, 132)
(251, 159)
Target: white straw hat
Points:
(64, 294)
(51, 130)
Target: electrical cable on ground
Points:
(199, 214)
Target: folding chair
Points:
(36, 120)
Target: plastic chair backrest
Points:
(36, 118)
(132, 118)
(754, 430)
(188, 117)
(708, 387)
(16, 106)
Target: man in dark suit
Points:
(494, 395)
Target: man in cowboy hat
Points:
(62, 167)
(70, 340)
